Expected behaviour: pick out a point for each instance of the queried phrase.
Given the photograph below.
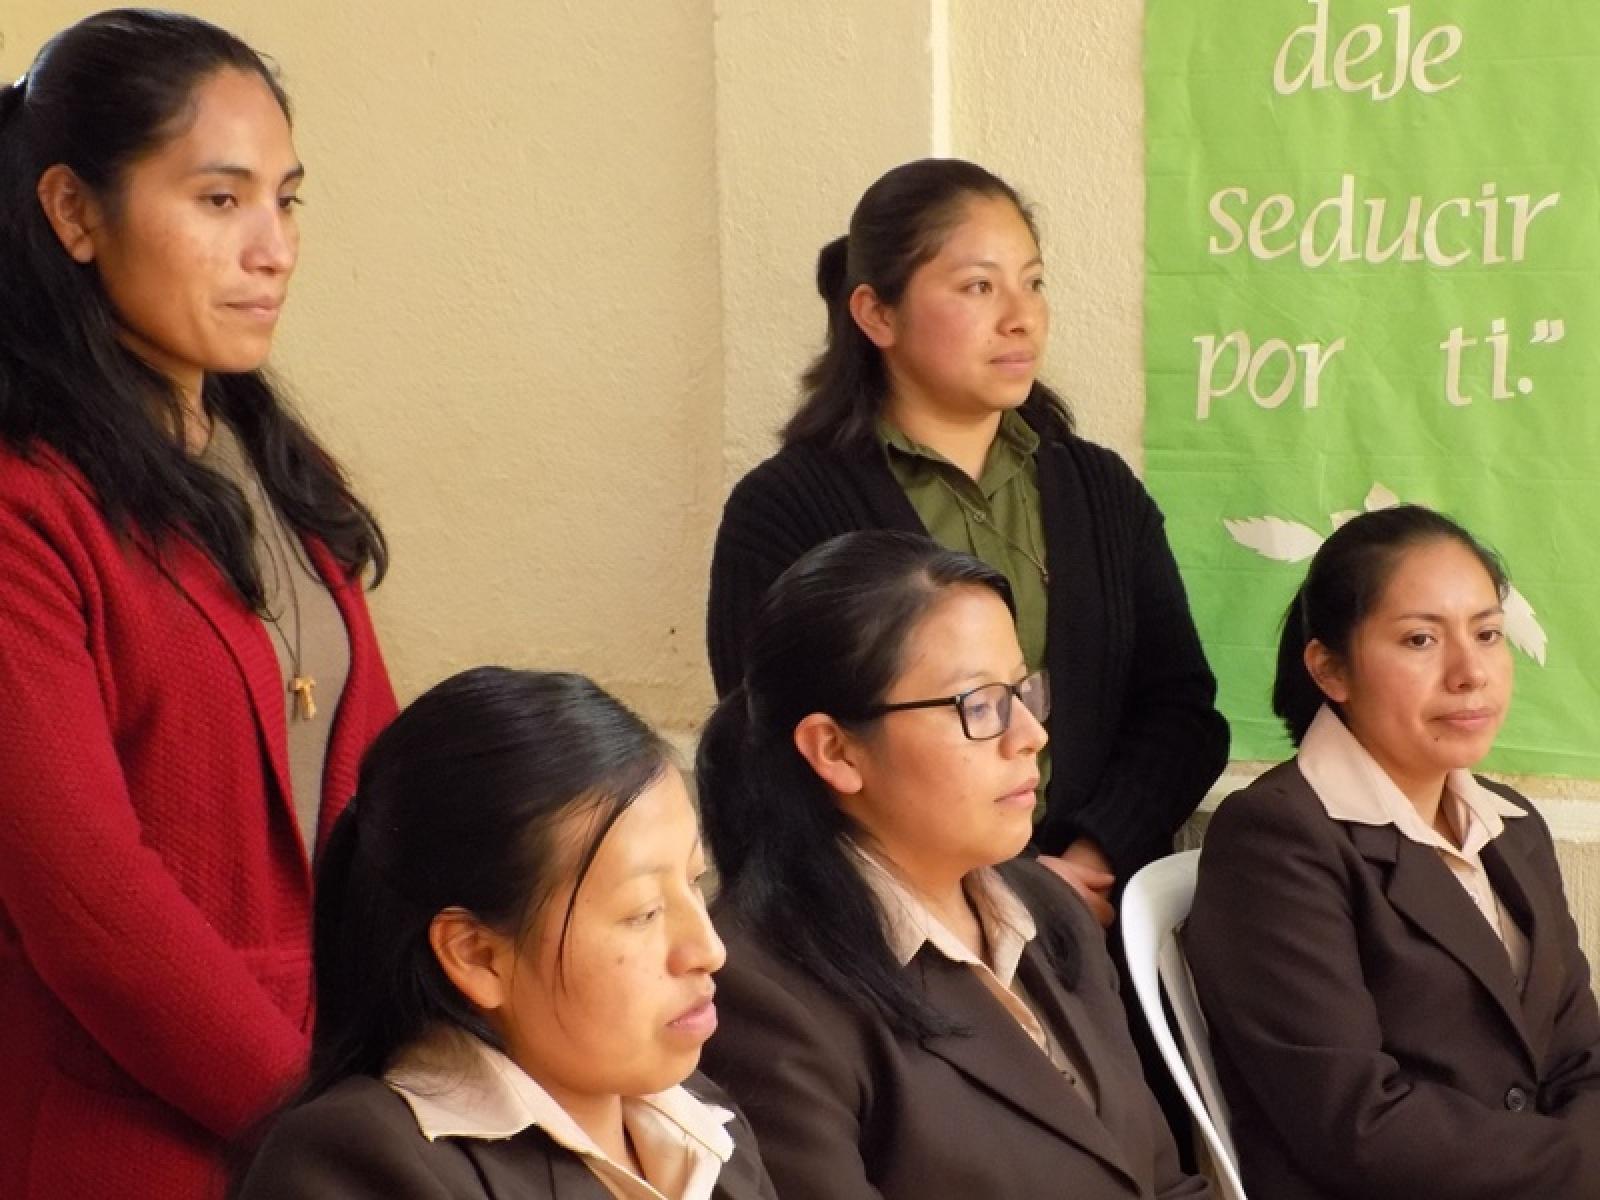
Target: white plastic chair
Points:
(1154, 905)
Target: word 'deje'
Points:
(1404, 63)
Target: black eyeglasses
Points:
(986, 711)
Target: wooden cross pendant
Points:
(305, 701)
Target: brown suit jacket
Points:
(848, 1110)
(1368, 1033)
(359, 1140)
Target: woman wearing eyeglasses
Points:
(908, 1012)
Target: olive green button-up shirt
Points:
(995, 518)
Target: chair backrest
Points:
(1154, 905)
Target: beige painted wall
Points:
(815, 100)
(1050, 96)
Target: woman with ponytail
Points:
(924, 413)
(513, 966)
(1397, 1000)
(909, 1011)
(190, 674)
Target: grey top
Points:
(305, 627)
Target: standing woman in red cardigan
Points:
(189, 672)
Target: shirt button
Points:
(1516, 1099)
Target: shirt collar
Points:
(1007, 924)
(1353, 787)
(1014, 435)
(458, 1086)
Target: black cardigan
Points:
(1135, 737)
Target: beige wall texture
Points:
(556, 283)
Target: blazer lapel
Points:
(531, 1167)
(1531, 904)
(742, 1178)
(1120, 1092)
(194, 574)
(1001, 1058)
(1422, 889)
(346, 593)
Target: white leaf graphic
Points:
(1380, 497)
(1523, 628)
(1290, 542)
(1275, 538)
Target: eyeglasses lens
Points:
(1035, 693)
(986, 711)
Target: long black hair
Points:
(899, 223)
(459, 805)
(1344, 583)
(829, 637)
(100, 96)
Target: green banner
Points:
(1373, 255)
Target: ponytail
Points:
(1295, 695)
(11, 98)
(720, 765)
(786, 868)
(833, 274)
(845, 386)
(359, 1026)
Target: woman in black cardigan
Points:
(923, 414)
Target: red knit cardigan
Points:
(155, 896)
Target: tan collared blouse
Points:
(456, 1086)
(1008, 927)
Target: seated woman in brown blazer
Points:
(907, 1013)
(1398, 1003)
(513, 966)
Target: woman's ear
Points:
(72, 211)
(872, 316)
(473, 957)
(1327, 671)
(831, 751)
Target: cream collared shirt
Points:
(457, 1086)
(1008, 927)
(1353, 787)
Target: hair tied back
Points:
(12, 96)
(833, 271)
